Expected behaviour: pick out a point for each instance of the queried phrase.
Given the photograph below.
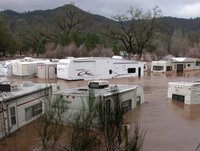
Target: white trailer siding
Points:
(186, 92)
(185, 64)
(26, 67)
(63, 69)
(76, 98)
(161, 66)
(46, 70)
(6, 67)
(22, 107)
(195, 94)
(98, 68)
(83, 69)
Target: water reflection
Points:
(190, 112)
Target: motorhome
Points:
(6, 67)
(185, 64)
(47, 70)
(26, 66)
(130, 96)
(186, 92)
(161, 66)
(98, 68)
(20, 104)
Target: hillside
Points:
(48, 18)
(173, 31)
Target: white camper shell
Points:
(6, 67)
(161, 66)
(20, 104)
(26, 66)
(186, 92)
(130, 95)
(185, 64)
(98, 68)
(47, 70)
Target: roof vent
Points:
(98, 84)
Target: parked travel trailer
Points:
(184, 64)
(186, 92)
(161, 66)
(20, 104)
(26, 66)
(6, 67)
(47, 70)
(98, 68)
(130, 95)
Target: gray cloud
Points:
(108, 8)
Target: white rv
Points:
(161, 66)
(185, 64)
(20, 104)
(186, 92)
(6, 67)
(98, 68)
(26, 66)
(130, 95)
(47, 70)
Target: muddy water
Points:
(170, 125)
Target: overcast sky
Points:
(109, 8)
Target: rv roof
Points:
(24, 91)
(184, 83)
(83, 91)
(96, 58)
(180, 59)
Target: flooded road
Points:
(170, 125)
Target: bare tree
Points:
(110, 118)
(66, 23)
(83, 136)
(50, 125)
(136, 29)
(136, 140)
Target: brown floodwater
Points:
(169, 125)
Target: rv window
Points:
(188, 65)
(110, 71)
(126, 105)
(197, 63)
(131, 70)
(12, 116)
(157, 68)
(33, 111)
(169, 68)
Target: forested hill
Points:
(91, 21)
(49, 18)
(25, 28)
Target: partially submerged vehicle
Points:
(177, 64)
(93, 68)
(6, 67)
(161, 66)
(185, 64)
(47, 70)
(26, 66)
(20, 104)
(130, 96)
(186, 92)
